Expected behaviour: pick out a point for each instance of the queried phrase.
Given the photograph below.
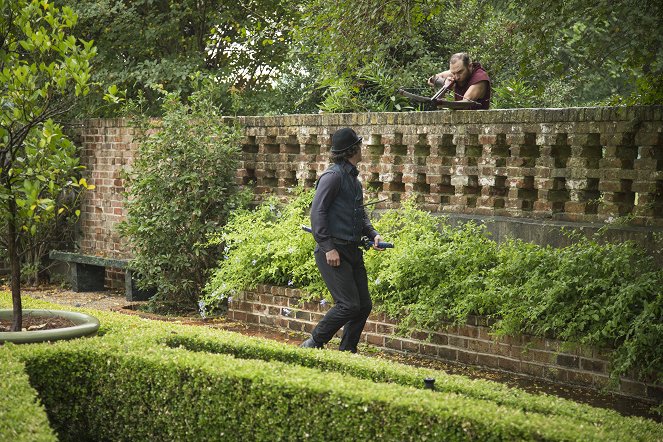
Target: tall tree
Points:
(162, 43)
(43, 71)
(601, 47)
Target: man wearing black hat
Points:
(338, 220)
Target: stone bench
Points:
(88, 273)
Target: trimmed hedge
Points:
(22, 417)
(143, 379)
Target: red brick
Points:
(393, 343)
(375, 339)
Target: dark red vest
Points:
(479, 74)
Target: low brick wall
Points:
(469, 344)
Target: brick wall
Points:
(107, 151)
(470, 343)
(559, 165)
(534, 163)
(577, 165)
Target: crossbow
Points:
(436, 102)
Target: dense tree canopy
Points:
(145, 45)
(283, 56)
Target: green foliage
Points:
(582, 42)
(47, 202)
(23, 418)
(44, 71)
(180, 191)
(513, 94)
(266, 245)
(143, 43)
(372, 89)
(141, 380)
(43, 68)
(603, 295)
(435, 272)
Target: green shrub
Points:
(266, 245)
(604, 295)
(152, 380)
(181, 189)
(22, 417)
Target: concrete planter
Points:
(85, 325)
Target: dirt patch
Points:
(36, 323)
(105, 301)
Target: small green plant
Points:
(373, 89)
(514, 93)
(180, 191)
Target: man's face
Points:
(357, 156)
(460, 72)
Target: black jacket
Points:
(337, 210)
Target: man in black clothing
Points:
(338, 220)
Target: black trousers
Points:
(348, 285)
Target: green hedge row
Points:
(142, 379)
(104, 393)
(22, 417)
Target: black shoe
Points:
(310, 343)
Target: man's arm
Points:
(328, 187)
(439, 79)
(476, 91)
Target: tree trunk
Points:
(15, 265)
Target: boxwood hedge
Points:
(22, 417)
(151, 380)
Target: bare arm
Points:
(476, 91)
(437, 78)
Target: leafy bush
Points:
(266, 245)
(604, 295)
(140, 380)
(372, 89)
(180, 190)
(513, 94)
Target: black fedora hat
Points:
(344, 139)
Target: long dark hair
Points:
(339, 157)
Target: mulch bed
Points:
(35, 323)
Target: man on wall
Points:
(469, 80)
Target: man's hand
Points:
(376, 241)
(333, 258)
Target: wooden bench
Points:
(88, 273)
